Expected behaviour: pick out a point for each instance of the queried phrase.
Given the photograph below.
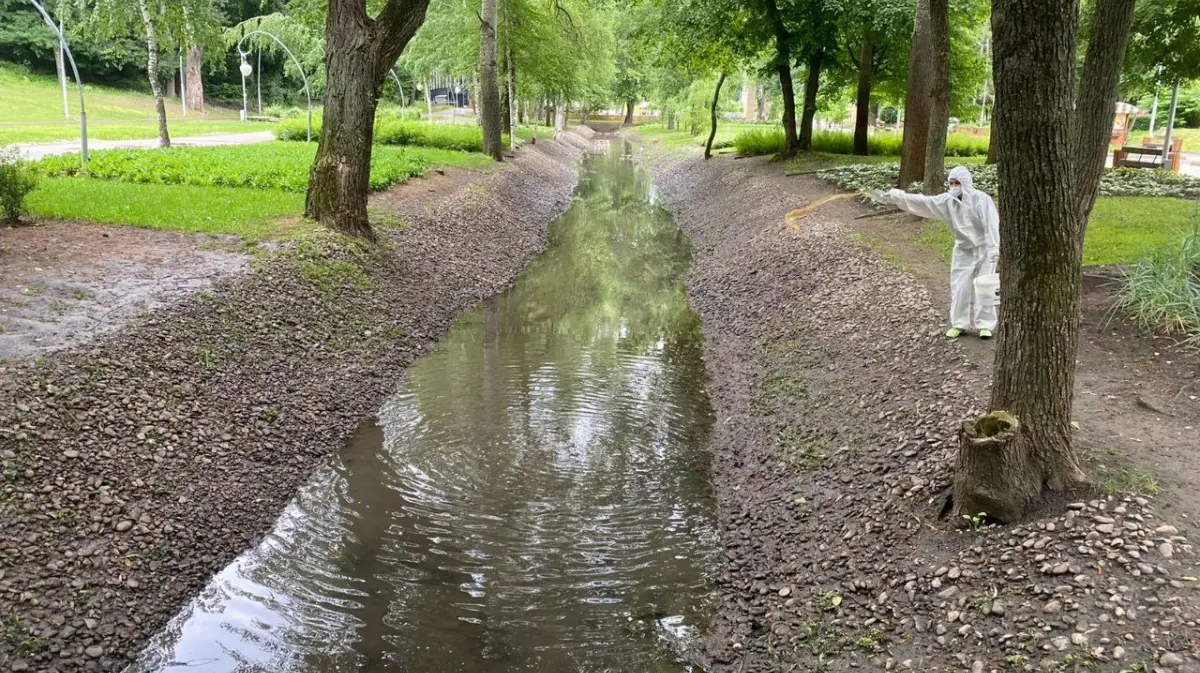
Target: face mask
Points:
(956, 191)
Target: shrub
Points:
(285, 112)
(398, 128)
(759, 142)
(1163, 292)
(282, 166)
(17, 179)
(1120, 182)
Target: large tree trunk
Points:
(629, 112)
(916, 100)
(811, 86)
(1098, 87)
(783, 66)
(760, 114)
(712, 133)
(195, 79)
(1047, 146)
(489, 90)
(359, 53)
(862, 105)
(164, 138)
(939, 112)
(993, 150)
(513, 106)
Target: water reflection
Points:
(533, 493)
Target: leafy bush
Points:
(1120, 182)
(399, 129)
(281, 166)
(759, 142)
(285, 112)
(1163, 292)
(17, 179)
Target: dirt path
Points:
(837, 401)
(35, 151)
(138, 465)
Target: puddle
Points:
(534, 497)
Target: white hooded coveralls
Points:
(976, 225)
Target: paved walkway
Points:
(37, 151)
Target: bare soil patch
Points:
(61, 283)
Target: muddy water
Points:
(533, 498)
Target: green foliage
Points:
(17, 180)
(1163, 292)
(249, 213)
(392, 130)
(761, 142)
(1164, 34)
(282, 166)
(1120, 182)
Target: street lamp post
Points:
(246, 69)
(83, 148)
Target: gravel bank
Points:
(836, 400)
(139, 465)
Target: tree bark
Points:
(712, 133)
(195, 79)
(993, 150)
(811, 86)
(783, 66)
(164, 137)
(359, 52)
(671, 121)
(1046, 152)
(489, 90)
(916, 100)
(939, 103)
(513, 106)
(629, 112)
(760, 114)
(1098, 87)
(862, 105)
(990, 478)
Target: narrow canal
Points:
(534, 497)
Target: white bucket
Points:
(987, 291)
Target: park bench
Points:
(1148, 155)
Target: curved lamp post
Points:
(83, 148)
(403, 102)
(246, 69)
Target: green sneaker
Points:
(985, 334)
(953, 333)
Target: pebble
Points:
(1061, 569)
(1167, 530)
(785, 592)
(1166, 550)
(1052, 607)
(1170, 659)
(95, 651)
(124, 526)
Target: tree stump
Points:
(993, 477)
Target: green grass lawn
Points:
(1122, 230)
(249, 213)
(31, 111)
(240, 190)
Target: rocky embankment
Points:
(138, 465)
(837, 401)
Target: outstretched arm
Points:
(931, 207)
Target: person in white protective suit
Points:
(976, 223)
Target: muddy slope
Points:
(837, 399)
(137, 466)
